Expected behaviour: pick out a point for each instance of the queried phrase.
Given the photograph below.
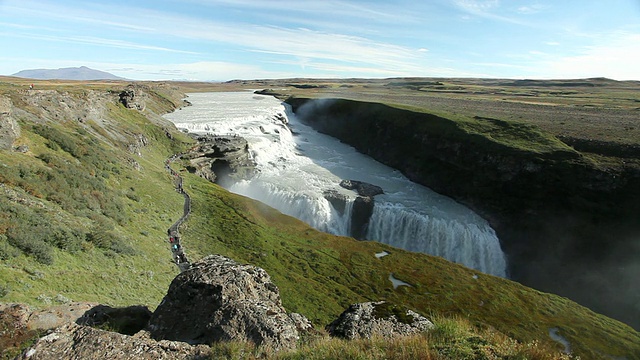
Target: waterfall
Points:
(296, 168)
(471, 244)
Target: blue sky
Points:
(256, 39)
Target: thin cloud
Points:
(532, 9)
(121, 44)
(379, 12)
(88, 40)
(297, 42)
(487, 9)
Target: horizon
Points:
(223, 40)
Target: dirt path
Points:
(177, 251)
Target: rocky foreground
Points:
(216, 300)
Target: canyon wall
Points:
(568, 223)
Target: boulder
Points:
(73, 341)
(218, 299)
(377, 319)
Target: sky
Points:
(220, 40)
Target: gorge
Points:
(566, 219)
(297, 167)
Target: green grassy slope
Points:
(78, 220)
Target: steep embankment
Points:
(84, 199)
(568, 223)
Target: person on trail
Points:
(31, 87)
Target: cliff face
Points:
(561, 217)
(9, 129)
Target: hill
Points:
(86, 204)
(72, 73)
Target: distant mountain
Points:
(74, 73)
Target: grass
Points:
(452, 338)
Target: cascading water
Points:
(294, 169)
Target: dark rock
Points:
(337, 200)
(132, 98)
(73, 341)
(362, 188)
(126, 97)
(218, 299)
(360, 216)
(362, 206)
(377, 319)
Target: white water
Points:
(295, 170)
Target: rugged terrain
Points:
(87, 203)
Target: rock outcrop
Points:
(9, 128)
(219, 158)
(218, 299)
(362, 206)
(133, 98)
(377, 319)
(360, 216)
(20, 322)
(73, 341)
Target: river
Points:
(296, 165)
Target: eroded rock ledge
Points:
(220, 158)
(362, 205)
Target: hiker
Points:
(31, 87)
